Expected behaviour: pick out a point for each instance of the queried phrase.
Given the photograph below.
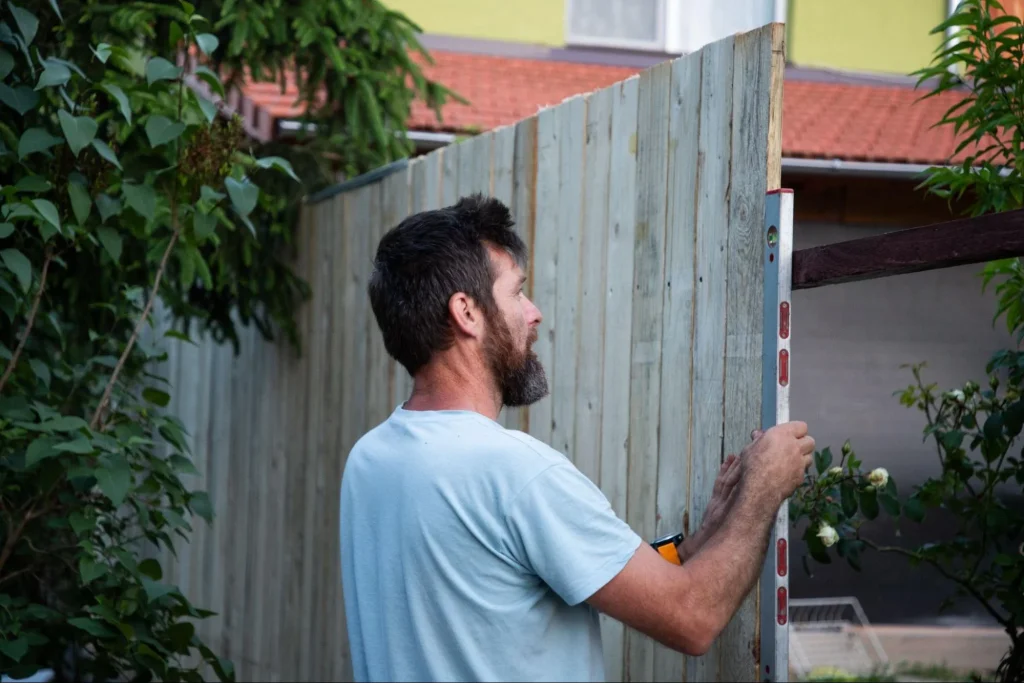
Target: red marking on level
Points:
(781, 190)
(781, 557)
(784, 367)
(784, 320)
(782, 616)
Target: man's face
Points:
(511, 333)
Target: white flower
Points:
(835, 471)
(827, 534)
(956, 395)
(879, 477)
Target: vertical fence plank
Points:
(339, 664)
(544, 272)
(251, 611)
(474, 162)
(714, 145)
(751, 109)
(502, 188)
(572, 124)
(267, 425)
(524, 205)
(449, 173)
(594, 236)
(677, 326)
(645, 363)
(220, 447)
(618, 328)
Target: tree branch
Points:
(945, 573)
(138, 326)
(30, 322)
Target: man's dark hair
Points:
(424, 260)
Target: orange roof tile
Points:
(821, 120)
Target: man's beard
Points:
(519, 374)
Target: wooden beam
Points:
(942, 245)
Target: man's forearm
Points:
(727, 565)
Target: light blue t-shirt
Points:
(468, 551)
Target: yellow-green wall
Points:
(889, 36)
(523, 21)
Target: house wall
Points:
(539, 22)
(884, 36)
(848, 344)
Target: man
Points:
(472, 552)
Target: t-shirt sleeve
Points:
(563, 529)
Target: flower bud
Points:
(971, 387)
(835, 471)
(847, 448)
(955, 395)
(879, 477)
(827, 534)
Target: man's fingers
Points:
(797, 428)
(756, 434)
(806, 444)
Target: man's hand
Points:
(721, 498)
(718, 506)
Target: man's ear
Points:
(466, 315)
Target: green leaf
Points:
(32, 183)
(848, 494)
(156, 590)
(15, 648)
(203, 224)
(104, 151)
(160, 130)
(889, 503)
(6, 63)
(54, 74)
(180, 635)
(200, 503)
(181, 464)
(122, 100)
(142, 198)
(207, 43)
(159, 69)
(115, 478)
(277, 162)
(108, 206)
(151, 568)
(19, 265)
(208, 194)
(156, 397)
(79, 445)
(36, 140)
(6, 230)
(40, 449)
(81, 524)
(204, 74)
(244, 195)
(209, 109)
(868, 503)
(48, 211)
(92, 627)
(913, 509)
(90, 570)
(823, 460)
(111, 241)
(41, 370)
(79, 130)
(27, 22)
(20, 99)
(64, 423)
(102, 52)
(81, 202)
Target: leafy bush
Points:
(119, 186)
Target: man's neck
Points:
(449, 385)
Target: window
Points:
(671, 26)
(629, 24)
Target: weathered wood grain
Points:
(676, 410)
(544, 271)
(645, 360)
(751, 116)
(589, 380)
(714, 160)
(572, 124)
(618, 326)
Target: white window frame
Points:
(658, 45)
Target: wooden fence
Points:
(642, 204)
